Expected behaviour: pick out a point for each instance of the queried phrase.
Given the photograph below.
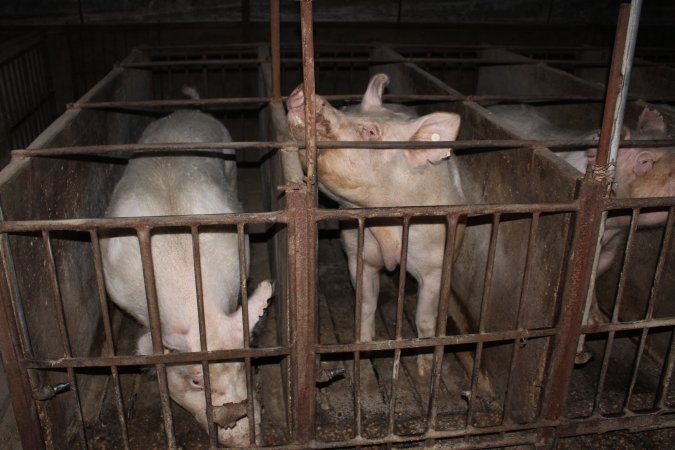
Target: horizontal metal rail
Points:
(460, 339)
(179, 103)
(255, 102)
(214, 147)
(443, 210)
(646, 324)
(464, 61)
(146, 360)
(201, 220)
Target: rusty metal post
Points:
(610, 133)
(275, 38)
(586, 232)
(25, 411)
(309, 90)
(302, 250)
(302, 308)
(617, 85)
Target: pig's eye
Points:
(196, 383)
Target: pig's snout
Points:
(228, 415)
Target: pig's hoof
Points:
(582, 358)
(424, 364)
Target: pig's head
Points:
(644, 171)
(349, 172)
(228, 380)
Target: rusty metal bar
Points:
(302, 317)
(366, 60)
(275, 39)
(443, 210)
(617, 85)
(156, 332)
(60, 317)
(518, 434)
(529, 257)
(177, 103)
(661, 263)
(211, 428)
(359, 280)
(487, 290)
(212, 147)
(442, 318)
(626, 261)
(108, 223)
(110, 345)
(358, 317)
(403, 267)
(615, 317)
(309, 88)
(586, 231)
(243, 266)
(169, 358)
(667, 370)
(15, 343)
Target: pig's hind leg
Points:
(372, 265)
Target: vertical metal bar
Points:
(442, 318)
(403, 268)
(211, 428)
(275, 39)
(156, 332)
(63, 331)
(359, 280)
(609, 346)
(110, 345)
(586, 231)
(487, 290)
(487, 285)
(247, 335)
(626, 261)
(356, 379)
(309, 90)
(529, 258)
(617, 85)
(610, 133)
(302, 306)
(667, 371)
(14, 344)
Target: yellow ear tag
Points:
(435, 137)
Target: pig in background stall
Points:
(187, 185)
(475, 171)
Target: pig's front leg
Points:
(372, 265)
(429, 288)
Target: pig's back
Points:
(174, 185)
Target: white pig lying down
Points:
(184, 185)
(380, 178)
(640, 172)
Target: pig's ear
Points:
(651, 120)
(257, 302)
(372, 99)
(636, 161)
(171, 341)
(433, 127)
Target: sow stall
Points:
(509, 318)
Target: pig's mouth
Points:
(227, 416)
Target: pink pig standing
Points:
(378, 178)
(183, 185)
